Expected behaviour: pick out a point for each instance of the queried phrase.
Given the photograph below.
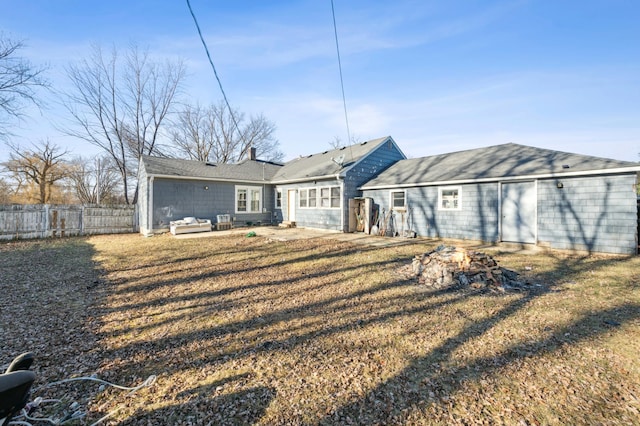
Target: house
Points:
(503, 193)
(171, 189)
(318, 191)
(312, 191)
(514, 193)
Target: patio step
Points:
(287, 224)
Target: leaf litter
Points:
(259, 331)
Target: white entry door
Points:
(519, 202)
(291, 205)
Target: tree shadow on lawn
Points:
(423, 383)
(232, 269)
(409, 389)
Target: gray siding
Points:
(375, 163)
(594, 213)
(477, 218)
(176, 199)
(319, 218)
(335, 219)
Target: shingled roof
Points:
(506, 161)
(245, 171)
(328, 163)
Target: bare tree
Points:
(43, 166)
(121, 106)
(338, 143)
(94, 180)
(5, 192)
(19, 80)
(217, 135)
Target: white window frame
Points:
(313, 197)
(249, 192)
(325, 197)
(337, 198)
(303, 197)
(442, 189)
(404, 197)
(312, 202)
(278, 199)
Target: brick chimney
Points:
(252, 154)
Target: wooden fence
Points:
(53, 220)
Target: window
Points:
(335, 196)
(304, 198)
(449, 198)
(325, 197)
(255, 200)
(241, 200)
(313, 197)
(330, 197)
(398, 200)
(248, 199)
(278, 198)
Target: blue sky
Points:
(438, 76)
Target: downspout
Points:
(150, 207)
(340, 180)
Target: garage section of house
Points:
(515, 193)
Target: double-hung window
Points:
(248, 199)
(326, 197)
(335, 196)
(398, 200)
(449, 198)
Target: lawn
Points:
(241, 330)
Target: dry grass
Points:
(253, 331)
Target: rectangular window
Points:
(325, 197)
(248, 199)
(241, 203)
(278, 198)
(449, 198)
(335, 196)
(255, 200)
(313, 200)
(398, 200)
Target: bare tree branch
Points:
(94, 180)
(19, 80)
(121, 106)
(210, 134)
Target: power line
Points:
(206, 49)
(344, 100)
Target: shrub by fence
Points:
(54, 220)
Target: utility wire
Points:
(344, 100)
(206, 49)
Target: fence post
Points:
(81, 221)
(47, 223)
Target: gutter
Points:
(208, 179)
(505, 178)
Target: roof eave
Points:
(209, 179)
(305, 179)
(507, 178)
